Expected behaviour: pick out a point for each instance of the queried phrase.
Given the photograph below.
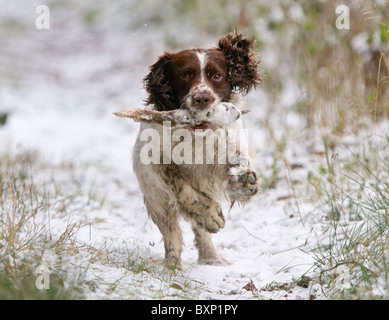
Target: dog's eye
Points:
(186, 75)
(217, 77)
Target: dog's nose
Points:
(202, 100)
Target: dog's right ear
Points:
(157, 84)
(241, 61)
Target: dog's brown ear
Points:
(157, 84)
(242, 62)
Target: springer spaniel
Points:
(196, 79)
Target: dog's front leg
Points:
(194, 204)
(242, 182)
(200, 207)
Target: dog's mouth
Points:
(203, 126)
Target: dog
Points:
(197, 79)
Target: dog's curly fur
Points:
(157, 86)
(242, 62)
(195, 191)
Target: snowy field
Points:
(59, 89)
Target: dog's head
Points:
(200, 78)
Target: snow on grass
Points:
(88, 161)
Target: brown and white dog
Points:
(196, 79)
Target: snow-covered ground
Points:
(60, 88)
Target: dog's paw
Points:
(209, 217)
(216, 260)
(172, 263)
(214, 219)
(202, 209)
(243, 186)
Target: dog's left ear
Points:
(157, 84)
(241, 61)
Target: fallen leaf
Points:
(250, 286)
